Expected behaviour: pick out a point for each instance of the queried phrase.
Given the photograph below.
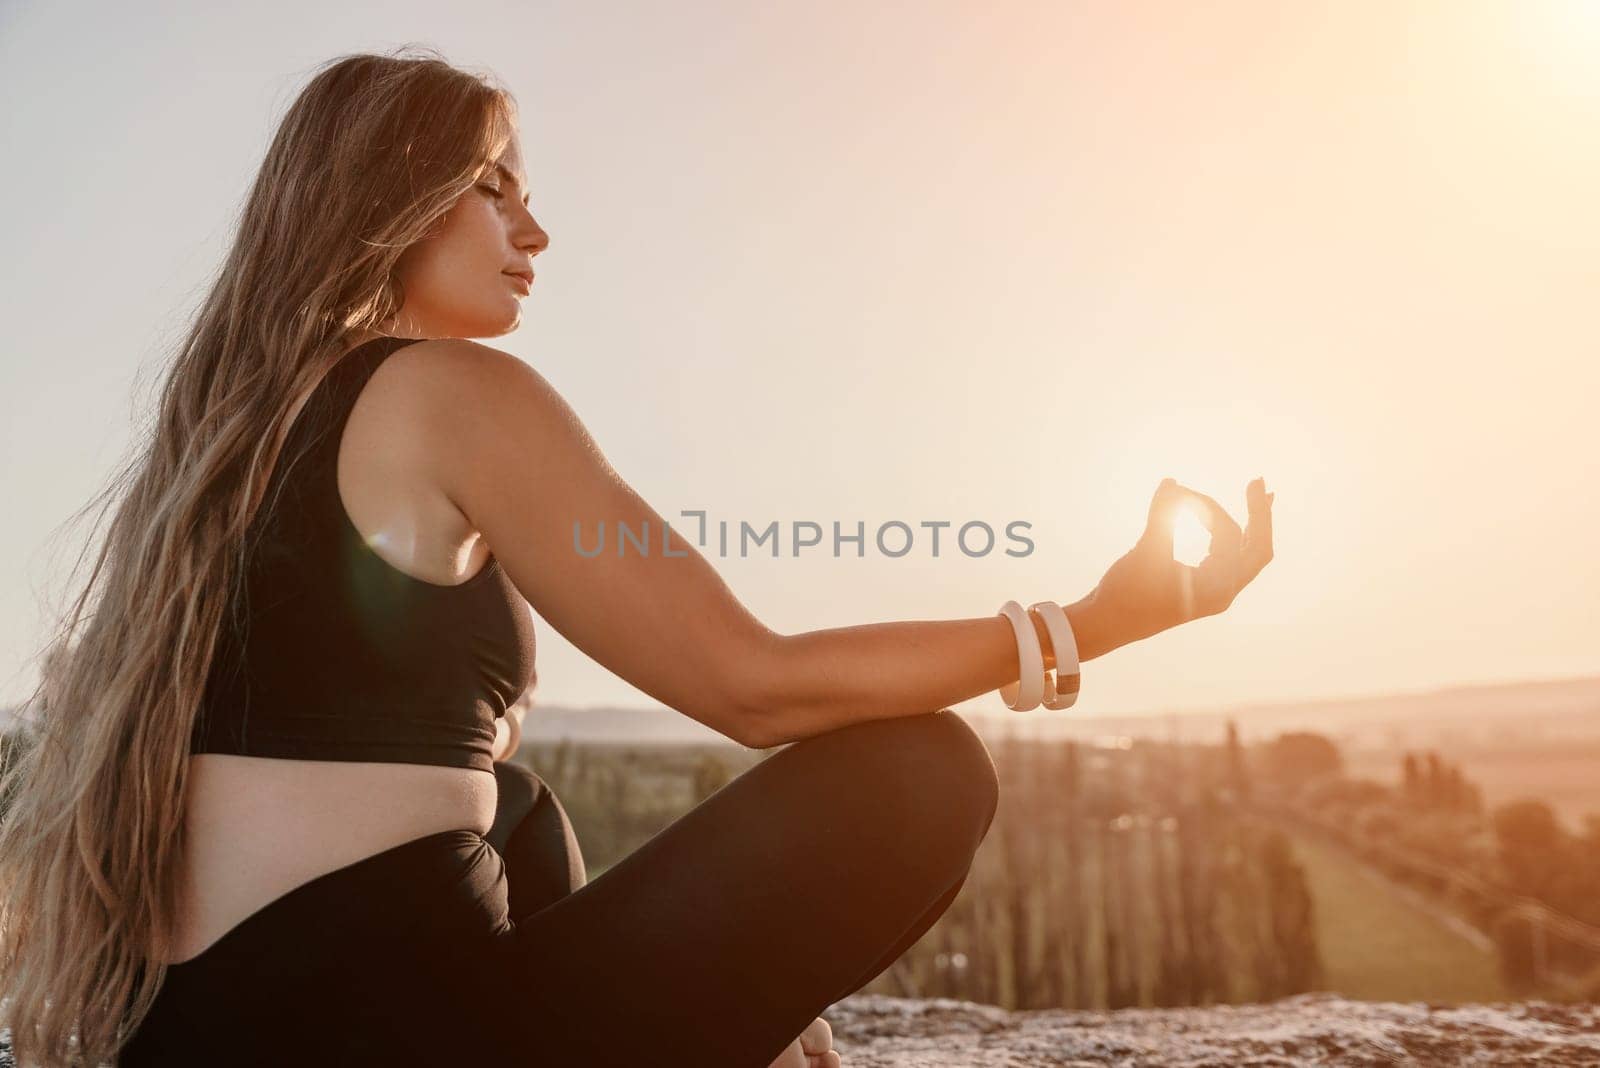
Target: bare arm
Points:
(822, 679)
(519, 464)
(826, 678)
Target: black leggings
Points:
(713, 944)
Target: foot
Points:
(813, 1049)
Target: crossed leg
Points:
(723, 936)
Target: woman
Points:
(265, 814)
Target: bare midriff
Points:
(257, 827)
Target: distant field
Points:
(1379, 946)
(1565, 774)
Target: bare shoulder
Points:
(481, 415)
(450, 368)
(457, 391)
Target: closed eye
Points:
(492, 191)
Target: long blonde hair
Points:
(368, 158)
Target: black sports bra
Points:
(333, 653)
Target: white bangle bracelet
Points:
(1062, 690)
(1025, 694)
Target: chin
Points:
(493, 322)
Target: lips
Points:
(524, 281)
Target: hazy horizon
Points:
(841, 264)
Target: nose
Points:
(530, 236)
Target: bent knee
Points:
(971, 763)
(940, 757)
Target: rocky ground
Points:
(873, 1031)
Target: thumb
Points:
(1158, 527)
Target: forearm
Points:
(822, 679)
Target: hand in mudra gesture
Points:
(1146, 591)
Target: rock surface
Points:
(874, 1031)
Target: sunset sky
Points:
(937, 261)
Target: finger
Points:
(817, 1037)
(829, 1059)
(1256, 496)
(1257, 549)
(1226, 537)
(1158, 524)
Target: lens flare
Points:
(1191, 541)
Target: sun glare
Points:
(1561, 37)
(1190, 539)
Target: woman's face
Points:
(458, 281)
